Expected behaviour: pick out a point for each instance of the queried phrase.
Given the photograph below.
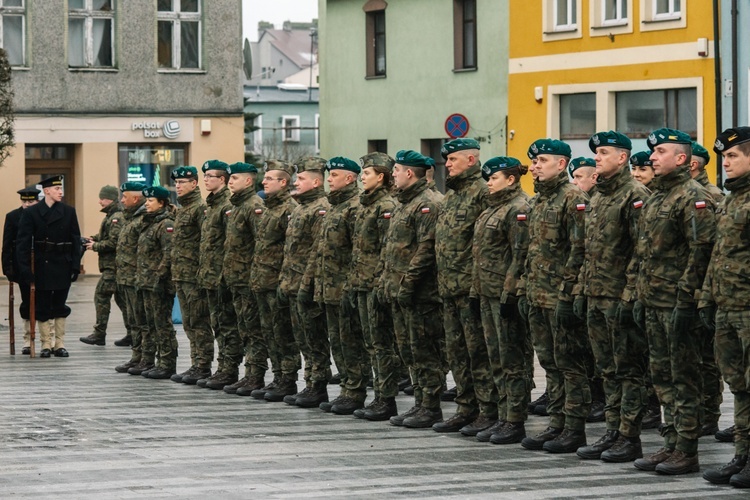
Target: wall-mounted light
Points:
(538, 94)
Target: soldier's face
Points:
(54, 192)
(735, 162)
(213, 180)
(306, 181)
(548, 166)
(105, 203)
(609, 160)
(585, 178)
(400, 177)
(28, 203)
(339, 179)
(273, 182)
(460, 161)
(667, 158)
(643, 174)
(371, 179)
(239, 182)
(498, 181)
(185, 186)
(130, 199)
(152, 204)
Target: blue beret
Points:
(458, 145)
(132, 186)
(579, 162)
(241, 168)
(341, 163)
(548, 147)
(497, 164)
(667, 135)
(185, 173)
(214, 165)
(611, 138)
(641, 159)
(410, 158)
(156, 192)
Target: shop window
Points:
(465, 34)
(640, 112)
(13, 30)
(150, 164)
(91, 33)
(179, 34)
(578, 121)
(291, 128)
(375, 37)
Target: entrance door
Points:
(47, 160)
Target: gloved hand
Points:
(579, 307)
(564, 315)
(624, 313)
(405, 298)
(351, 297)
(639, 315)
(523, 306)
(305, 296)
(475, 307)
(509, 308)
(73, 277)
(708, 317)
(682, 319)
(281, 297)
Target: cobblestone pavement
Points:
(74, 428)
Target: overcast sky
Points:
(276, 12)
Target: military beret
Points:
(497, 164)
(278, 165)
(701, 152)
(241, 168)
(29, 194)
(377, 159)
(185, 173)
(56, 180)
(214, 165)
(730, 138)
(341, 163)
(579, 162)
(548, 147)
(611, 138)
(309, 164)
(667, 135)
(411, 158)
(109, 193)
(132, 186)
(157, 192)
(641, 159)
(458, 145)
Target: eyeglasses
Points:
(182, 181)
(209, 176)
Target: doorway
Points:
(47, 160)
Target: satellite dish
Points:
(247, 62)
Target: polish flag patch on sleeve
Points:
(700, 204)
(228, 213)
(258, 211)
(581, 207)
(321, 212)
(520, 217)
(170, 229)
(114, 221)
(426, 210)
(387, 215)
(638, 204)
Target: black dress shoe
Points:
(624, 450)
(511, 432)
(454, 423)
(126, 341)
(725, 435)
(594, 451)
(26, 351)
(722, 475)
(567, 442)
(160, 373)
(537, 442)
(93, 339)
(61, 353)
(46, 353)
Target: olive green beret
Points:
(132, 186)
(458, 145)
(548, 147)
(579, 162)
(185, 173)
(611, 138)
(641, 159)
(341, 163)
(157, 192)
(667, 135)
(309, 164)
(377, 159)
(730, 138)
(278, 165)
(241, 168)
(214, 165)
(497, 164)
(701, 152)
(109, 193)
(411, 158)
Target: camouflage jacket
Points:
(556, 242)
(454, 233)
(269, 241)
(716, 194)
(239, 244)
(610, 268)
(302, 234)
(155, 249)
(335, 245)
(370, 229)
(409, 257)
(126, 256)
(187, 235)
(213, 232)
(675, 236)
(501, 240)
(105, 243)
(727, 282)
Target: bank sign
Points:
(169, 129)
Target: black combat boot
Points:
(346, 406)
(220, 379)
(177, 377)
(261, 393)
(327, 405)
(383, 411)
(161, 373)
(542, 400)
(93, 339)
(123, 368)
(285, 387)
(709, 429)
(725, 435)
(742, 478)
(537, 442)
(722, 475)
(649, 462)
(398, 420)
(253, 384)
(360, 412)
(126, 341)
(317, 395)
(454, 423)
(511, 432)
(479, 424)
(198, 374)
(141, 367)
(679, 463)
(594, 451)
(567, 442)
(291, 399)
(625, 449)
(424, 418)
(485, 435)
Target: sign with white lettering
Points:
(156, 130)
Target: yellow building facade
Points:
(580, 66)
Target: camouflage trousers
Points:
(106, 287)
(510, 353)
(418, 330)
(468, 357)
(675, 361)
(348, 349)
(196, 321)
(135, 318)
(250, 343)
(276, 322)
(621, 354)
(309, 327)
(377, 327)
(732, 344)
(562, 353)
(713, 387)
(161, 340)
(224, 325)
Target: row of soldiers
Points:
(479, 280)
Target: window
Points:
(91, 33)
(560, 19)
(290, 125)
(12, 30)
(578, 121)
(614, 12)
(431, 148)
(666, 9)
(465, 34)
(317, 133)
(377, 146)
(179, 34)
(565, 15)
(640, 112)
(258, 134)
(610, 17)
(375, 37)
(662, 15)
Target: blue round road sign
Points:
(457, 125)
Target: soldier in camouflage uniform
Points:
(676, 231)
(583, 172)
(192, 298)
(466, 198)
(724, 296)
(308, 320)
(409, 284)
(499, 252)
(373, 219)
(126, 258)
(642, 170)
(273, 306)
(155, 282)
(605, 297)
(105, 244)
(556, 251)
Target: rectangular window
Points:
(317, 133)
(91, 33)
(291, 128)
(640, 112)
(565, 15)
(614, 12)
(465, 34)
(257, 134)
(577, 116)
(13, 30)
(179, 34)
(150, 164)
(666, 9)
(375, 31)
(377, 146)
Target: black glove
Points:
(281, 297)
(579, 307)
(624, 314)
(523, 306)
(509, 308)
(305, 296)
(708, 317)
(73, 277)
(682, 319)
(405, 298)
(475, 307)
(564, 315)
(639, 315)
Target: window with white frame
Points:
(258, 134)
(290, 125)
(641, 111)
(179, 34)
(317, 133)
(565, 15)
(614, 12)
(91, 33)
(662, 15)
(13, 30)
(667, 9)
